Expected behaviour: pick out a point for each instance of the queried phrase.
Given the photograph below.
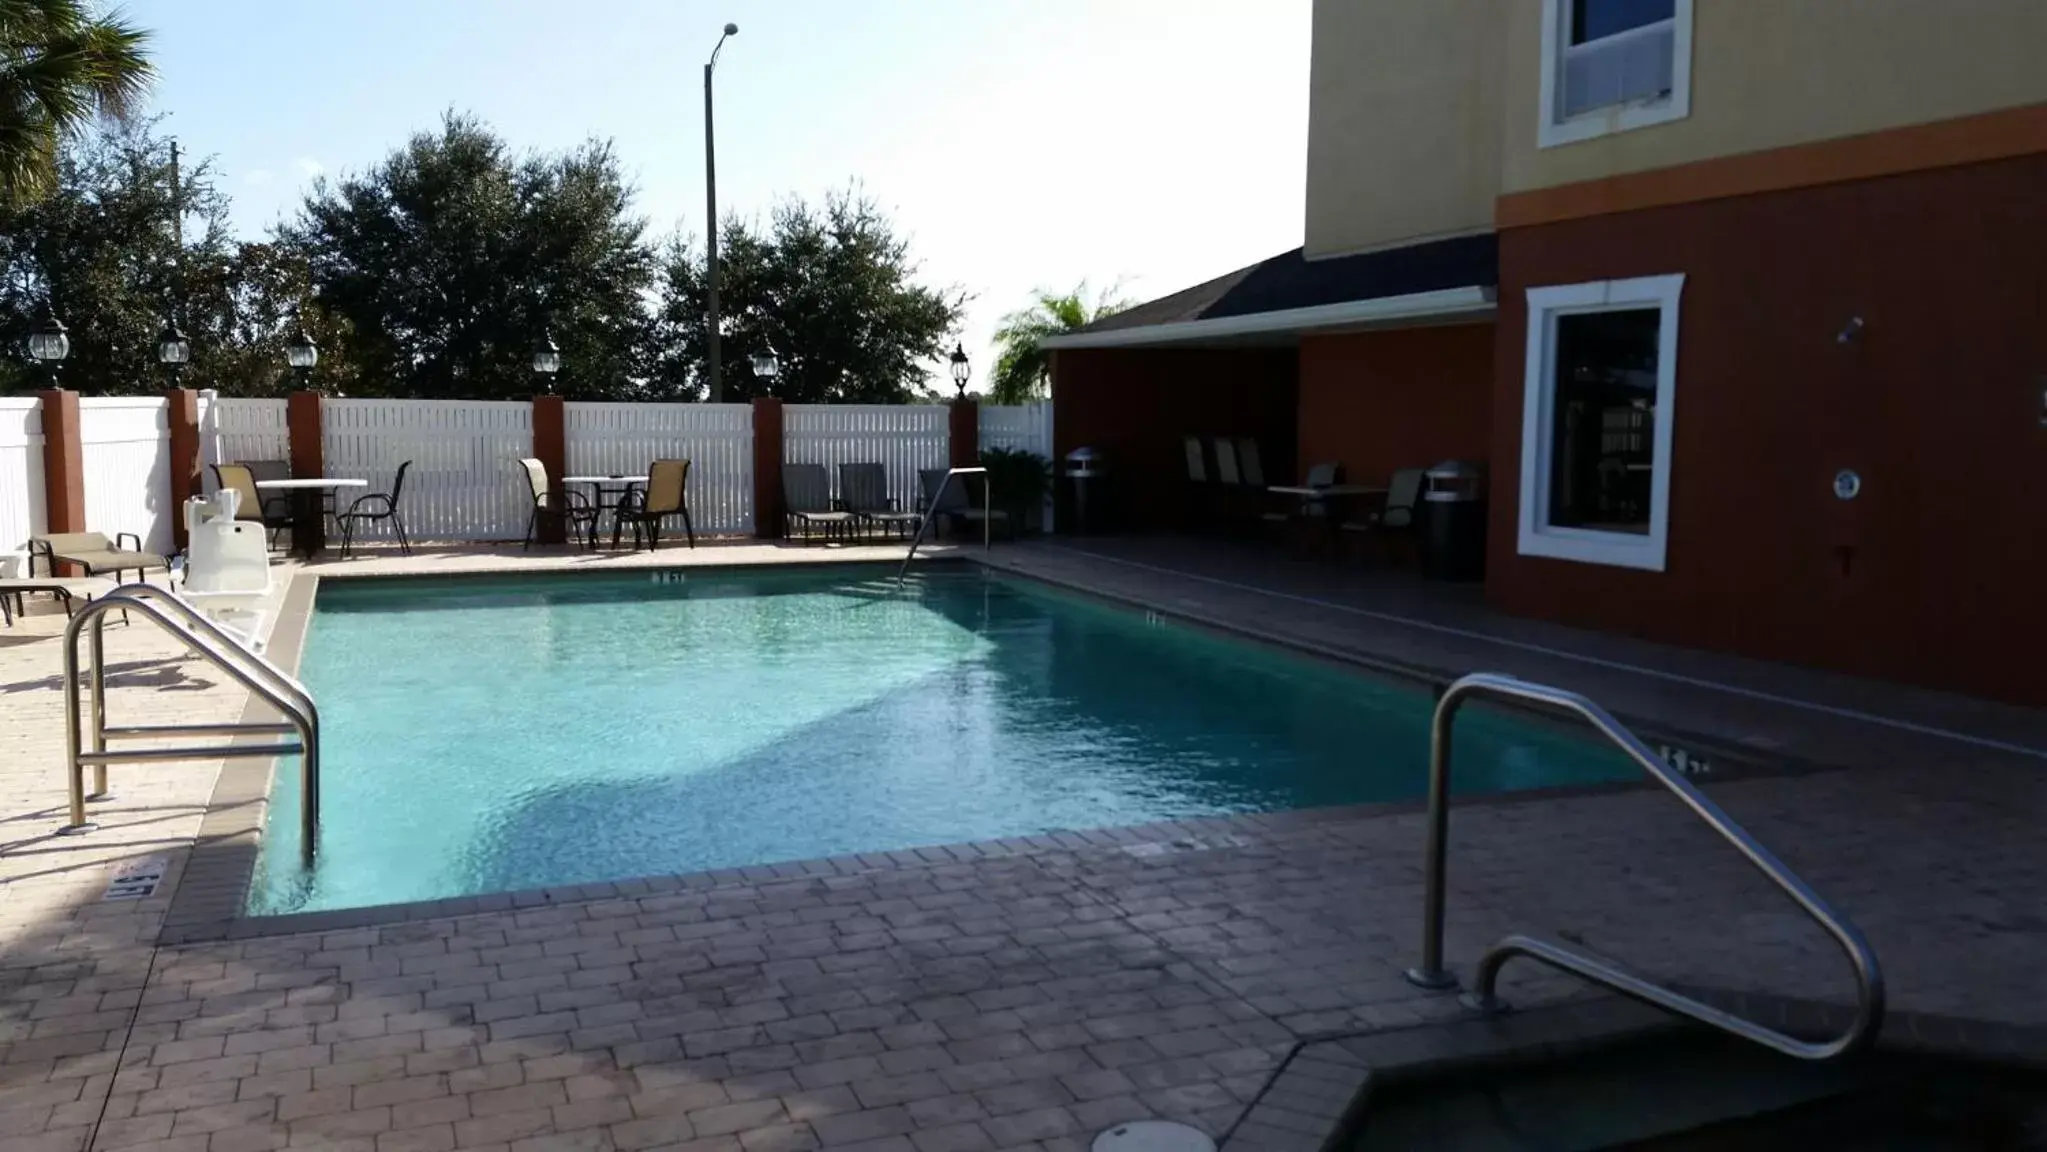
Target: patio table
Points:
(1310, 494)
(308, 509)
(619, 488)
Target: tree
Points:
(103, 246)
(833, 291)
(446, 262)
(1023, 368)
(60, 66)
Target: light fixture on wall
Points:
(173, 350)
(50, 343)
(960, 369)
(1850, 331)
(547, 360)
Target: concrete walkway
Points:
(1021, 994)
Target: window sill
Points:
(1611, 120)
(1613, 549)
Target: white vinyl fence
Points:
(1027, 427)
(21, 480)
(125, 444)
(234, 430)
(606, 439)
(902, 438)
(464, 483)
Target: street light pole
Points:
(713, 370)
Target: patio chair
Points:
(370, 509)
(863, 489)
(807, 503)
(1320, 475)
(95, 553)
(959, 505)
(1248, 463)
(571, 510)
(1397, 514)
(666, 495)
(13, 591)
(273, 514)
(1200, 493)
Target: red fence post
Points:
(185, 482)
(551, 448)
(964, 431)
(767, 468)
(63, 466)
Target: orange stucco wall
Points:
(1406, 398)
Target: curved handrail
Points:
(987, 515)
(1869, 994)
(225, 652)
(197, 621)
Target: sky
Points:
(1144, 145)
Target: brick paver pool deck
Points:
(1022, 994)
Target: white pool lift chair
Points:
(227, 568)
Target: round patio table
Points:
(308, 512)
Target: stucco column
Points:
(185, 457)
(551, 448)
(767, 468)
(964, 432)
(302, 421)
(63, 467)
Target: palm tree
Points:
(61, 64)
(1023, 369)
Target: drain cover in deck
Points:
(1153, 1136)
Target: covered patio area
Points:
(1372, 364)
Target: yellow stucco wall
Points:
(1770, 73)
(1423, 112)
(1404, 121)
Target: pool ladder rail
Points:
(87, 743)
(1431, 974)
(987, 515)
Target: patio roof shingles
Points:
(1290, 280)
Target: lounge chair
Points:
(274, 514)
(367, 510)
(95, 553)
(959, 506)
(807, 503)
(863, 489)
(666, 495)
(14, 589)
(572, 510)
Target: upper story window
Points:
(1612, 65)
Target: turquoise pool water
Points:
(484, 735)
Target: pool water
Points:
(493, 734)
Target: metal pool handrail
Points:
(1869, 982)
(224, 652)
(987, 515)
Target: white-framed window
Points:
(1612, 65)
(1598, 401)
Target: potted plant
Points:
(1019, 483)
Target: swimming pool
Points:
(494, 734)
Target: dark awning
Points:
(1292, 294)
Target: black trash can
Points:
(1083, 479)
(1453, 522)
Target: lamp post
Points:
(713, 370)
(766, 367)
(50, 342)
(960, 369)
(301, 354)
(547, 360)
(173, 351)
